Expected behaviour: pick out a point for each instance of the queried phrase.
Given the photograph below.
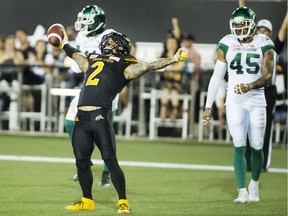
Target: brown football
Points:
(55, 34)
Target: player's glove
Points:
(64, 40)
(241, 88)
(181, 55)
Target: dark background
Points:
(142, 21)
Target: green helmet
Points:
(90, 19)
(243, 23)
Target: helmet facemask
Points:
(242, 29)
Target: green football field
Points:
(173, 177)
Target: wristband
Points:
(248, 87)
(176, 57)
(69, 49)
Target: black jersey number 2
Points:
(91, 79)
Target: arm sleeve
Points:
(215, 81)
(69, 50)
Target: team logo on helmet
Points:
(90, 19)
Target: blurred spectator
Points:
(23, 45)
(193, 68)
(170, 80)
(71, 33)
(22, 42)
(39, 61)
(124, 94)
(9, 57)
(194, 58)
(59, 58)
(1, 42)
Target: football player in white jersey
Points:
(264, 26)
(90, 24)
(248, 58)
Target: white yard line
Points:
(130, 163)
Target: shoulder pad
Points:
(264, 42)
(228, 39)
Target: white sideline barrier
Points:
(14, 116)
(214, 123)
(62, 93)
(278, 126)
(126, 119)
(41, 116)
(156, 122)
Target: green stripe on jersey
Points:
(224, 48)
(267, 47)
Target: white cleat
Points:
(243, 196)
(253, 189)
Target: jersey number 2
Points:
(91, 79)
(236, 63)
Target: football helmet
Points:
(243, 23)
(122, 44)
(90, 19)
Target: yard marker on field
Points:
(130, 163)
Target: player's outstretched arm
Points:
(214, 83)
(134, 71)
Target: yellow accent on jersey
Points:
(91, 79)
(133, 60)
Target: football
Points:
(55, 34)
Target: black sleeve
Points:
(278, 45)
(69, 50)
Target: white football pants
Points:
(246, 120)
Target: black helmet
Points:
(123, 46)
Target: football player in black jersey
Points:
(106, 75)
